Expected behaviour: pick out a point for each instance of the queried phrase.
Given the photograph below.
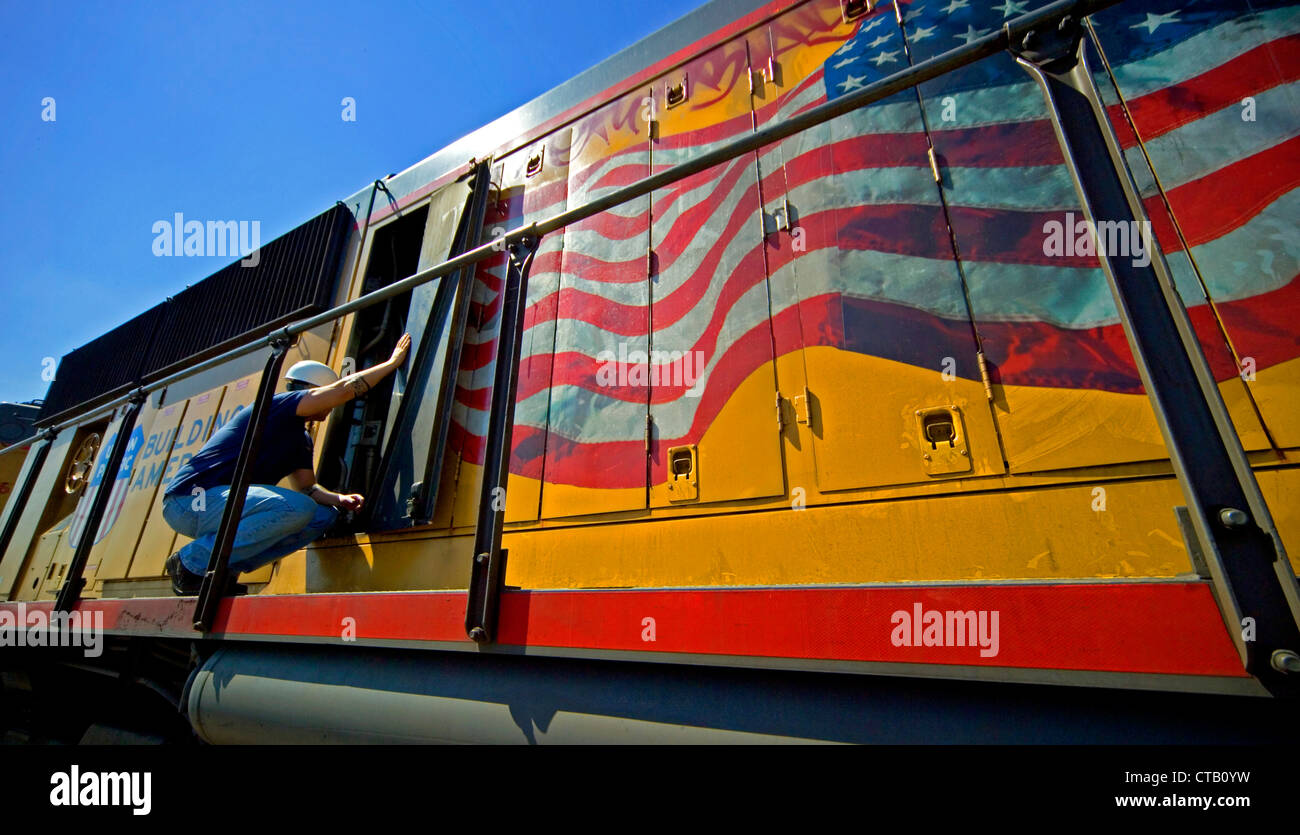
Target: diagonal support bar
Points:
(1253, 581)
(218, 571)
(486, 574)
(18, 501)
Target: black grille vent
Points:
(105, 364)
(294, 278)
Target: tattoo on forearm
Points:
(311, 491)
(359, 386)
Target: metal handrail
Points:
(1010, 34)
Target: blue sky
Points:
(231, 110)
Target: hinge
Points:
(649, 427)
(802, 410)
(984, 375)
(934, 165)
(780, 414)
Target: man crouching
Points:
(275, 522)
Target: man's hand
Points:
(350, 501)
(317, 402)
(399, 353)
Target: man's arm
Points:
(319, 400)
(304, 480)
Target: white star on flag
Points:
(1009, 7)
(1155, 21)
(872, 25)
(885, 58)
(972, 34)
(852, 82)
(923, 32)
(878, 41)
(955, 5)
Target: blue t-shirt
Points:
(286, 447)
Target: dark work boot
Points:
(184, 582)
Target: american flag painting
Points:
(839, 244)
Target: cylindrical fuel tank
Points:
(299, 694)
(296, 695)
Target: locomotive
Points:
(826, 370)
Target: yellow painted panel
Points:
(10, 466)
(799, 58)
(1244, 417)
(583, 416)
(1039, 533)
(1281, 489)
(37, 571)
(1046, 533)
(49, 503)
(1277, 391)
(1050, 428)
(158, 541)
(113, 554)
(468, 483)
(739, 453)
(115, 482)
(744, 462)
(863, 415)
(390, 563)
(716, 89)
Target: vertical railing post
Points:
(1253, 580)
(218, 570)
(70, 593)
(485, 572)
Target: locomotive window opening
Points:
(352, 452)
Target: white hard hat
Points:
(311, 372)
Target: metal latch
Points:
(941, 437)
(676, 93)
(854, 9)
(534, 166)
(683, 478)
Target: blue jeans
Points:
(276, 522)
